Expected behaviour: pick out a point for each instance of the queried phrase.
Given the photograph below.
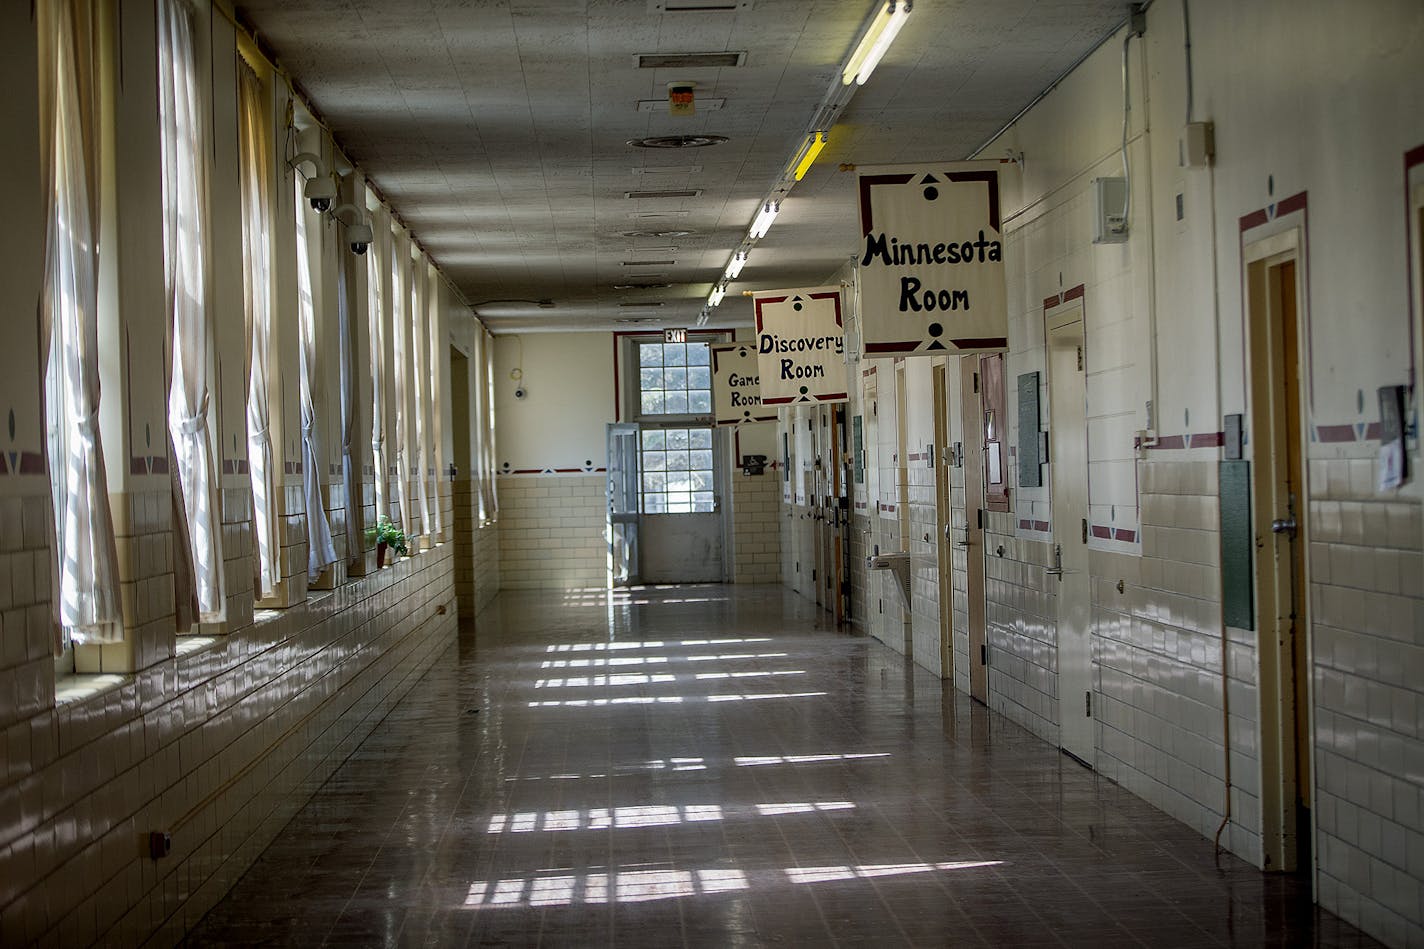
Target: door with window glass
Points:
(681, 525)
(623, 503)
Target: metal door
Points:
(1068, 465)
(681, 526)
(623, 568)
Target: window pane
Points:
(654, 503)
(700, 460)
(699, 402)
(699, 377)
(654, 481)
(676, 403)
(675, 354)
(699, 354)
(653, 438)
(700, 481)
(654, 461)
(653, 402)
(674, 379)
(679, 503)
(650, 354)
(702, 502)
(677, 438)
(650, 379)
(677, 461)
(699, 438)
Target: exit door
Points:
(623, 504)
(1069, 578)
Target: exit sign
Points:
(674, 336)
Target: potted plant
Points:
(390, 536)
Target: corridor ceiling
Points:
(498, 131)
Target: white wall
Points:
(1313, 97)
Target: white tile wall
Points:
(1367, 639)
(756, 528)
(551, 531)
(219, 747)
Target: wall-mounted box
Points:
(1198, 145)
(1110, 204)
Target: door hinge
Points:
(1085, 530)
(976, 382)
(1088, 703)
(813, 574)
(983, 654)
(1080, 358)
(979, 517)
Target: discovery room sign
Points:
(736, 390)
(932, 260)
(800, 346)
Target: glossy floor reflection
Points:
(714, 766)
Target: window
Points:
(676, 456)
(674, 378)
(87, 608)
(255, 147)
(677, 470)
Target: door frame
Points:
(1282, 654)
(975, 503)
(944, 505)
(1077, 733)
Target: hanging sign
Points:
(800, 346)
(931, 260)
(736, 389)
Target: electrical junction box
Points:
(1198, 144)
(1110, 204)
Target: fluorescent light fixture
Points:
(809, 151)
(762, 224)
(715, 297)
(877, 39)
(734, 269)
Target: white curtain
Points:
(377, 271)
(185, 234)
(321, 551)
(491, 495)
(86, 584)
(400, 352)
(256, 284)
(439, 350)
(350, 416)
(420, 388)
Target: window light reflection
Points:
(588, 681)
(562, 888)
(650, 644)
(754, 761)
(621, 700)
(602, 663)
(661, 764)
(760, 674)
(737, 655)
(648, 815)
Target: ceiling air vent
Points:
(662, 234)
(690, 60)
(639, 195)
(648, 263)
(650, 285)
(677, 141)
(640, 306)
(698, 6)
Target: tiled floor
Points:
(714, 766)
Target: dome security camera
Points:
(520, 392)
(360, 237)
(320, 191)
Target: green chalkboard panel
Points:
(1237, 577)
(1030, 458)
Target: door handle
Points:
(1284, 525)
(1057, 569)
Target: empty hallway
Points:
(717, 766)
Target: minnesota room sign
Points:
(932, 260)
